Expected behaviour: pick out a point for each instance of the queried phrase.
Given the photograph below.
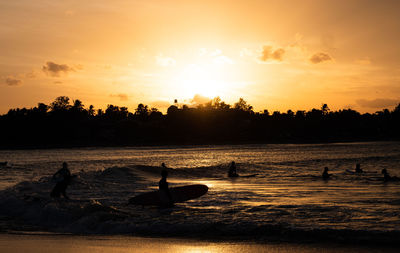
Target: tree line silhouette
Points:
(66, 124)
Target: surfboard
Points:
(251, 175)
(242, 176)
(178, 194)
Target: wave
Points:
(99, 206)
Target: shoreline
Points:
(47, 242)
(191, 145)
(344, 238)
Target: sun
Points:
(202, 79)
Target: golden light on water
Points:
(191, 250)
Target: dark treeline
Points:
(66, 124)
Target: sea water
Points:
(287, 199)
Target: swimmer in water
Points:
(325, 174)
(358, 168)
(232, 170)
(387, 177)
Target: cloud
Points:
(222, 59)
(121, 96)
(31, 74)
(215, 56)
(54, 69)
(11, 81)
(199, 99)
(165, 61)
(320, 57)
(269, 54)
(245, 52)
(378, 103)
(78, 66)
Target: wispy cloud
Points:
(268, 53)
(199, 99)
(222, 59)
(320, 57)
(11, 81)
(378, 103)
(246, 52)
(55, 70)
(32, 74)
(215, 56)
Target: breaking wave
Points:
(247, 208)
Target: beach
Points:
(112, 244)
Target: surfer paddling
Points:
(63, 179)
(163, 185)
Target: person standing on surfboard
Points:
(63, 179)
(232, 170)
(163, 184)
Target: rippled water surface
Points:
(286, 198)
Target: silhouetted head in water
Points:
(65, 165)
(233, 163)
(164, 174)
(326, 169)
(384, 171)
(163, 165)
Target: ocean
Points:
(287, 199)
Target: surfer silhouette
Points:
(358, 168)
(164, 166)
(163, 185)
(387, 177)
(63, 179)
(232, 170)
(325, 174)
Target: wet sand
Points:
(43, 243)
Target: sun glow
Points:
(208, 80)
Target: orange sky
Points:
(277, 55)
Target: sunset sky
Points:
(277, 55)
